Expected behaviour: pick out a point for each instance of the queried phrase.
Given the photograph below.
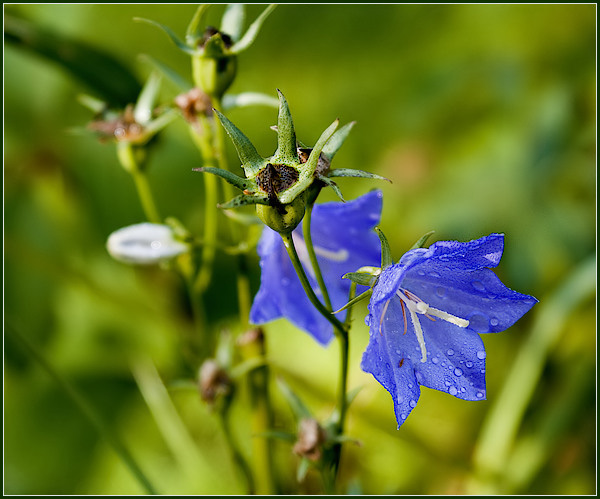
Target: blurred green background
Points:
(484, 118)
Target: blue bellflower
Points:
(343, 239)
(425, 314)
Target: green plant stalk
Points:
(341, 333)
(88, 411)
(236, 455)
(203, 138)
(312, 255)
(128, 160)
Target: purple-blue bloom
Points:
(344, 241)
(425, 314)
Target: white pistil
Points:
(417, 306)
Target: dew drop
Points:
(435, 360)
(481, 354)
(419, 377)
(413, 403)
(434, 274)
(479, 323)
(420, 272)
(447, 383)
(441, 292)
(494, 321)
(478, 285)
(450, 352)
(410, 385)
(452, 390)
(469, 364)
(400, 399)
(403, 416)
(443, 364)
(482, 371)
(458, 371)
(463, 389)
(479, 395)
(368, 320)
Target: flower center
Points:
(416, 307)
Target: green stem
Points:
(88, 411)
(313, 257)
(236, 455)
(127, 157)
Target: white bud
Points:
(144, 244)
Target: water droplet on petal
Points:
(469, 364)
(403, 416)
(452, 390)
(420, 272)
(482, 371)
(368, 320)
(479, 322)
(450, 352)
(435, 360)
(458, 371)
(481, 354)
(400, 399)
(410, 385)
(413, 403)
(479, 395)
(441, 292)
(494, 321)
(419, 377)
(478, 285)
(434, 274)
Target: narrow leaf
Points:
(313, 159)
(159, 123)
(174, 38)
(252, 32)
(180, 82)
(303, 467)
(337, 139)
(243, 200)
(333, 185)
(286, 136)
(97, 106)
(251, 160)
(351, 303)
(362, 278)
(232, 21)
(299, 410)
(248, 99)
(235, 180)
(421, 242)
(386, 254)
(142, 112)
(349, 172)
(193, 32)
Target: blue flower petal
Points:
(344, 241)
(454, 278)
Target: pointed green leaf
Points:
(386, 254)
(349, 172)
(179, 81)
(97, 106)
(240, 182)
(245, 99)
(337, 139)
(232, 21)
(215, 47)
(243, 200)
(159, 123)
(286, 136)
(351, 395)
(174, 38)
(142, 112)
(362, 278)
(355, 300)
(421, 242)
(193, 32)
(303, 467)
(252, 162)
(252, 32)
(333, 185)
(299, 410)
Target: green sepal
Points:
(233, 179)
(174, 38)
(245, 99)
(421, 242)
(337, 139)
(157, 124)
(193, 32)
(349, 172)
(215, 48)
(362, 278)
(355, 300)
(97, 106)
(243, 200)
(286, 136)
(232, 21)
(333, 185)
(252, 32)
(386, 254)
(299, 410)
(252, 162)
(142, 112)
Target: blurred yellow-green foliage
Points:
(484, 118)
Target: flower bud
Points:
(282, 218)
(213, 381)
(311, 438)
(144, 244)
